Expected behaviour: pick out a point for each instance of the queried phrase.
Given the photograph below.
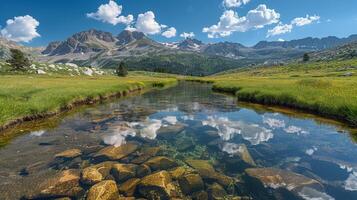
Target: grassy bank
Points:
(325, 88)
(26, 97)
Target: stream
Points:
(263, 154)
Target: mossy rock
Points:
(105, 190)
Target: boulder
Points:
(190, 183)
(63, 184)
(116, 153)
(245, 155)
(216, 192)
(185, 144)
(143, 170)
(123, 172)
(200, 195)
(129, 186)
(203, 167)
(91, 176)
(69, 154)
(178, 172)
(105, 190)
(156, 186)
(277, 178)
(145, 154)
(169, 132)
(161, 163)
(104, 168)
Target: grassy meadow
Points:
(325, 88)
(28, 95)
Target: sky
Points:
(38, 22)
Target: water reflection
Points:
(191, 122)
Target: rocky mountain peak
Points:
(190, 44)
(126, 37)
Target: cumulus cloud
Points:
(169, 33)
(302, 21)
(187, 35)
(280, 29)
(147, 24)
(111, 13)
(21, 29)
(234, 3)
(287, 28)
(230, 22)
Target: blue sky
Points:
(243, 21)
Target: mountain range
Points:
(190, 56)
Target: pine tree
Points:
(18, 60)
(306, 57)
(121, 70)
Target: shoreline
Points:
(81, 102)
(267, 100)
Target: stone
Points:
(185, 144)
(191, 183)
(104, 168)
(105, 190)
(169, 132)
(201, 195)
(143, 170)
(156, 186)
(123, 172)
(216, 192)
(116, 153)
(129, 186)
(203, 167)
(178, 172)
(223, 180)
(91, 176)
(161, 163)
(245, 155)
(145, 154)
(68, 154)
(277, 178)
(63, 184)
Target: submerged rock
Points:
(91, 176)
(201, 195)
(145, 154)
(216, 191)
(180, 171)
(143, 170)
(116, 153)
(129, 186)
(185, 144)
(104, 168)
(123, 172)
(161, 163)
(190, 183)
(206, 170)
(63, 184)
(277, 178)
(105, 190)
(203, 167)
(156, 186)
(170, 131)
(68, 154)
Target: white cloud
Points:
(230, 21)
(147, 24)
(287, 28)
(234, 3)
(111, 13)
(281, 40)
(21, 29)
(187, 35)
(302, 21)
(169, 33)
(280, 29)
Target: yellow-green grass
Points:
(322, 88)
(31, 95)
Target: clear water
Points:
(302, 145)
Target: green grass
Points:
(26, 95)
(317, 87)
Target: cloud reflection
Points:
(228, 129)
